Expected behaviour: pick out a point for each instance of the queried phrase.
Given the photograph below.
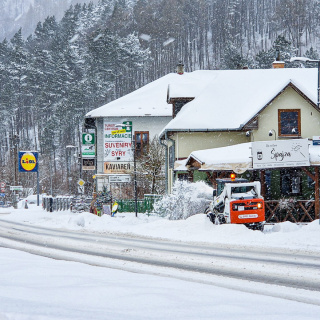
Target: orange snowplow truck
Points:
(237, 201)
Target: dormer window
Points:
(289, 121)
(178, 103)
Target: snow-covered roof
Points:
(151, 99)
(233, 97)
(180, 165)
(314, 152)
(237, 158)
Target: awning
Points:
(237, 158)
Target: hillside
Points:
(27, 13)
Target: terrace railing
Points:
(296, 211)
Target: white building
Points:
(143, 113)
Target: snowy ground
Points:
(33, 287)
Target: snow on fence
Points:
(59, 203)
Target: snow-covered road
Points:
(289, 268)
(284, 262)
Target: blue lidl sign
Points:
(28, 161)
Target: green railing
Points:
(143, 205)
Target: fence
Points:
(145, 205)
(290, 210)
(56, 203)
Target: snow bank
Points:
(196, 228)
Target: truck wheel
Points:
(255, 226)
(211, 216)
(219, 219)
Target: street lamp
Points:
(133, 148)
(69, 147)
(271, 132)
(15, 142)
(307, 60)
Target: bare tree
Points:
(150, 169)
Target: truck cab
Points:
(237, 201)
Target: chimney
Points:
(278, 64)
(180, 68)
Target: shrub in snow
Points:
(185, 200)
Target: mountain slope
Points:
(27, 13)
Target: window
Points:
(289, 121)
(183, 177)
(141, 143)
(291, 182)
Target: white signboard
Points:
(120, 178)
(88, 151)
(16, 188)
(280, 153)
(118, 142)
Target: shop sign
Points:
(120, 178)
(28, 161)
(118, 142)
(88, 148)
(16, 188)
(118, 167)
(88, 164)
(280, 153)
(88, 151)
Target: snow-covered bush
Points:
(185, 200)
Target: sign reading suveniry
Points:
(280, 153)
(28, 161)
(118, 142)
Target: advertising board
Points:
(28, 161)
(118, 142)
(120, 178)
(118, 167)
(88, 164)
(280, 153)
(88, 148)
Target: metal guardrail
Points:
(62, 203)
(51, 204)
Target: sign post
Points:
(28, 162)
(81, 184)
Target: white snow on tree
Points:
(185, 200)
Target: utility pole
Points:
(15, 142)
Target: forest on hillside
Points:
(99, 52)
